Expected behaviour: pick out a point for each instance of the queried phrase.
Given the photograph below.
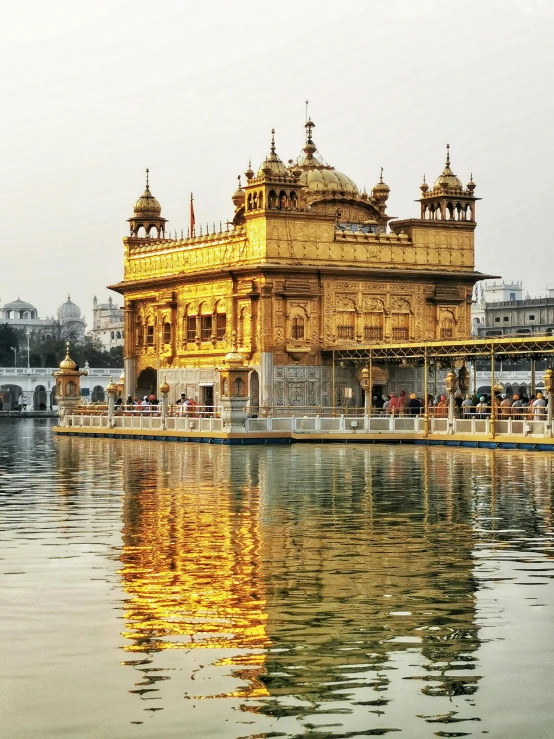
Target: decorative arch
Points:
(272, 199)
(147, 382)
(447, 322)
(150, 329)
(400, 319)
(346, 319)
(98, 395)
(298, 324)
(40, 398)
(373, 319)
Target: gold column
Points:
(333, 384)
(493, 409)
(370, 382)
(425, 393)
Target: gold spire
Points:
(309, 126)
(448, 155)
(67, 363)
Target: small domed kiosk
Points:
(68, 387)
(233, 390)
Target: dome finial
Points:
(309, 126)
(273, 141)
(381, 177)
(448, 155)
(147, 178)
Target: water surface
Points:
(172, 590)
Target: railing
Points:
(47, 371)
(398, 425)
(320, 420)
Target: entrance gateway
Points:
(206, 395)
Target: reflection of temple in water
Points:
(191, 555)
(307, 571)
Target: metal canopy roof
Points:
(514, 348)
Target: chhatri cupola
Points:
(448, 199)
(310, 184)
(147, 215)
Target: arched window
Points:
(374, 320)
(297, 328)
(221, 326)
(206, 323)
(346, 321)
(293, 201)
(167, 333)
(283, 202)
(272, 199)
(400, 320)
(255, 201)
(118, 334)
(191, 328)
(224, 386)
(249, 202)
(150, 333)
(70, 389)
(140, 333)
(446, 325)
(152, 232)
(238, 386)
(141, 232)
(260, 200)
(112, 336)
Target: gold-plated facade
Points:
(307, 265)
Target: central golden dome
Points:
(319, 176)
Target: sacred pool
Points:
(163, 589)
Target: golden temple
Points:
(308, 263)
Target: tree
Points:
(50, 353)
(9, 337)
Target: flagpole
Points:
(192, 218)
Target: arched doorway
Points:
(39, 398)
(147, 382)
(254, 393)
(10, 396)
(98, 395)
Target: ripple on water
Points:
(319, 591)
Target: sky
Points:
(93, 93)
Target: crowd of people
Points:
(150, 404)
(472, 406)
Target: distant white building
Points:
(68, 324)
(500, 309)
(107, 323)
(37, 386)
